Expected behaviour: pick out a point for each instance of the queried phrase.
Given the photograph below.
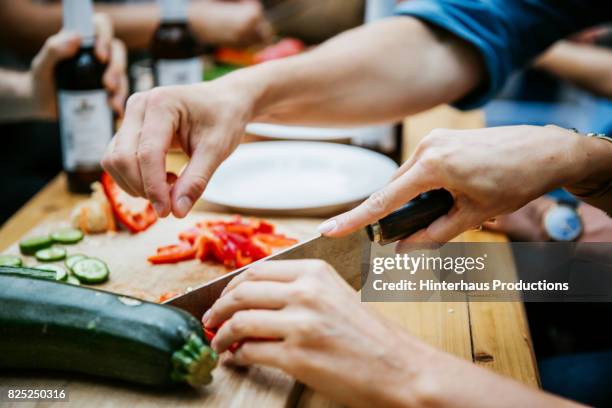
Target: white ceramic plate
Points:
(299, 132)
(297, 177)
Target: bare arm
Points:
(212, 21)
(586, 65)
(370, 74)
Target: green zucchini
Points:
(49, 325)
(10, 260)
(60, 271)
(28, 272)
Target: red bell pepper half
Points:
(135, 214)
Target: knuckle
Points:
(157, 96)
(146, 153)
(377, 202)
(240, 293)
(304, 295)
(136, 99)
(239, 323)
(252, 273)
(196, 185)
(429, 161)
(306, 328)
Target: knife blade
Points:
(348, 255)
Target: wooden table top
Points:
(494, 335)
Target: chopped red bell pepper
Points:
(210, 334)
(234, 243)
(269, 242)
(167, 295)
(173, 254)
(136, 214)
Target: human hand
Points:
(526, 224)
(235, 23)
(327, 339)
(488, 171)
(65, 45)
(205, 120)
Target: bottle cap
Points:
(173, 10)
(78, 18)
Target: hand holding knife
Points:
(345, 254)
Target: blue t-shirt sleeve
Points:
(507, 33)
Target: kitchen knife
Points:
(346, 254)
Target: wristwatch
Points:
(562, 222)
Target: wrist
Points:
(415, 384)
(259, 88)
(595, 166)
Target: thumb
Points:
(194, 179)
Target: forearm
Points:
(587, 66)
(32, 23)
(446, 381)
(15, 96)
(380, 72)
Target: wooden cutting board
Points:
(132, 275)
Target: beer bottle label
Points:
(179, 72)
(86, 127)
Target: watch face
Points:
(562, 223)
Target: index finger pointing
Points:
(159, 127)
(399, 191)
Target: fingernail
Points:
(183, 205)
(327, 226)
(206, 316)
(159, 208)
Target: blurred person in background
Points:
(572, 356)
(29, 161)
(437, 52)
(212, 21)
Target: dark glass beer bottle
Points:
(85, 117)
(175, 50)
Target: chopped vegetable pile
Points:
(233, 243)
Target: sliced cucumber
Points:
(67, 236)
(73, 280)
(10, 260)
(91, 270)
(60, 271)
(51, 254)
(29, 246)
(72, 259)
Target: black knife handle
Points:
(413, 216)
